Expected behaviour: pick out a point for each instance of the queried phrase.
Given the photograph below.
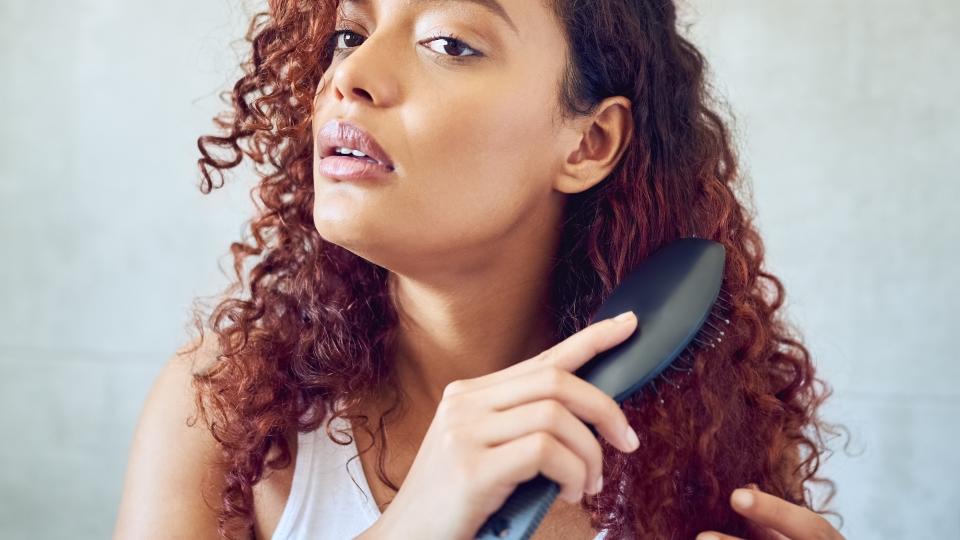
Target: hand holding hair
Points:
(775, 519)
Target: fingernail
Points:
(624, 317)
(707, 536)
(633, 442)
(742, 499)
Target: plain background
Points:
(848, 122)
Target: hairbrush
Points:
(680, 305)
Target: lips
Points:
(337, 133)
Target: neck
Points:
(463, 327)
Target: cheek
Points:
(475, 164)
(479, 166)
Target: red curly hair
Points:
(316, 321)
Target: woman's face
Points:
(468, 125)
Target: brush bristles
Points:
(711, 333)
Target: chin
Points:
(345, 231)
(338, 232)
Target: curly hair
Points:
(309, 325)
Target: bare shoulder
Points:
(197, 356)
(172, 483)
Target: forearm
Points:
(387, 528)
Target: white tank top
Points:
(324, 501)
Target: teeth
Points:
(345, 151)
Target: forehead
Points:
(527, 32)
(508, 12)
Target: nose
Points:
(365, 73)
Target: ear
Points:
(598, 142)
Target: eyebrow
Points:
(490, 5)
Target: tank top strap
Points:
(329, 496)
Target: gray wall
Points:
(848, 124)
(851, 130)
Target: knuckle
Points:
(452, 388)
(454, 438)
(553, 379)
(443, 408)
(449, 407)
(553, 412)
(615, 412)
(547, 356)
(593, 463)
(581, 476)
(578, 479)
(602, 332)
(603, 323)
(777, 511)
(819, 533)
(615, 408)
(542, 446)
(596, 453)
(824, 530)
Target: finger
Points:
(602, 334)
(579, 348)
(539, 453)
(583, 399)
(714, 535)
(552, 417)
(757, 531)
(791, 520)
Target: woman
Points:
(516, 160)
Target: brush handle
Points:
(522, 512)
(673, 293)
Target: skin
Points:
(486, 209)
(773, 518)
(468, 222)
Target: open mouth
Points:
(360, 158)
(349, 143)
(350, 167)
(343, 153)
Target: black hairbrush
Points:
(677, 296)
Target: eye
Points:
(454, 44)
(335, 39)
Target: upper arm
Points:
(172, 485)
